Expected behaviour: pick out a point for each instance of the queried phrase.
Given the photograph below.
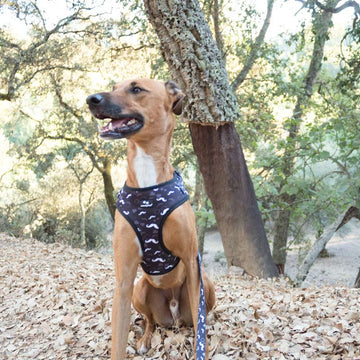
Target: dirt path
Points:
(339, 269)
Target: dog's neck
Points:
(148, 163)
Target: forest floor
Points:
(55, 303)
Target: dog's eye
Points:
(136, 90)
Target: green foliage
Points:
(18, 130)
(43, 164)
(48, 210)
(205, 217)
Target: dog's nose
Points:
(94, 99)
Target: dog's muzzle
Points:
(120, 125)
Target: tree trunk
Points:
(230, 189)
(199, 201)
(357, 281)
(196, 64)
(321, 242)
(108, 188)
(82, 217)
(281, 232)
(321, 25)
(105, 169)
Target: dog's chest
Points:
(145, 170)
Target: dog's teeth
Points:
(111, 126)
(133, 121)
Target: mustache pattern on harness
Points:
(146, 209)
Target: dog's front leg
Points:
(121, 311)
(126, 259)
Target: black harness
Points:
(146, 209)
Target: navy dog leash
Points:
(201, 325)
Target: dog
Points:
(161, 239)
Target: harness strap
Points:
(201, 325)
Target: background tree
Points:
(76, 165)
(322, 22)
(196, 64)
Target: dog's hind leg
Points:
(153, 303)
(144, 343)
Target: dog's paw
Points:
(143, 350)
(143, 345)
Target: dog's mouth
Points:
(121, 127)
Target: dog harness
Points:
(146, 209)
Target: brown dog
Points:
(141, 111)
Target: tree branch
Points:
(40, 14)
(254, 51)
(216, 18)
(27, 53)
(64, 104)
(125, 47)
(347, 4)
(4, 96)
(61, 24)
(82, 144)
(321, 242)
(5, 173)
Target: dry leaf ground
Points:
(55, 303)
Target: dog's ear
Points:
(178, 96)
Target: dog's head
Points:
(134, 105)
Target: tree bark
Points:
(321, 242)
(281, 231)
(321, 25)
(230, 189)
(197, 66)
(194, 60)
